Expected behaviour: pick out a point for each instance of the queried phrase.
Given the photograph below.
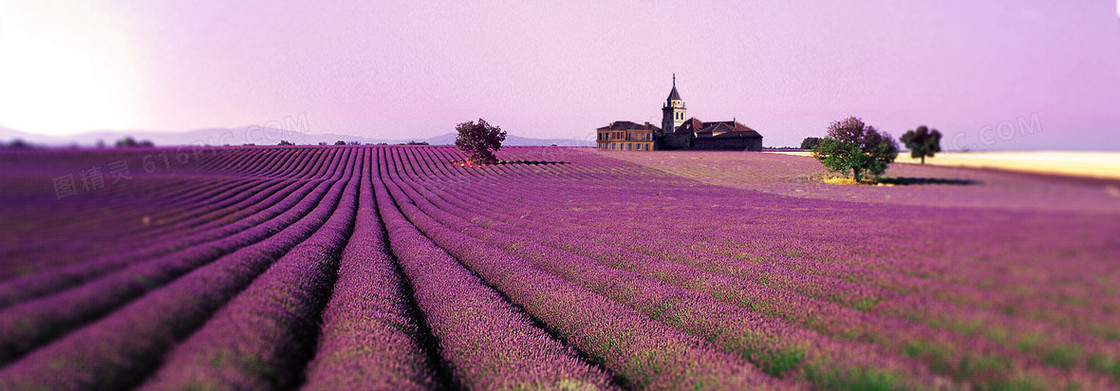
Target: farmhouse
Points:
(677, 132)
(627, 136)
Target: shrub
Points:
(479, 140)
(853, 145)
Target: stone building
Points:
(677, 131)
(627, 136)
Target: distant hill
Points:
(248, 135)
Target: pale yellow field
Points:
(1090, 164)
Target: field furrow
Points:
(372, 337)
(646, 353)
(122, 348)
(265, 335)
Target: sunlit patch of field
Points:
(932, 184)
(1080, 163)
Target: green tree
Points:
(922, 142)
(810, 142)
(853, 145)
(479, 140)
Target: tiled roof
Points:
(716, 129)
(723, 127)
(627, 125)
(743, 134)
(690, 125)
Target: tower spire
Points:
(673, 113)
(673, 95)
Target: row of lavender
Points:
(134, 207)
(212, 214)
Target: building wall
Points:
(676, 141)
(643, 140)
(626, 146)
(727, 144)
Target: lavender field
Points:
(392, 267)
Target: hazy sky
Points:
(988, 74)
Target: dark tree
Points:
(285, 142)
(922, 142)
(129, 142)
(126, 142)
(18, 144)
(853, 145)
(339, 142)
(479, 141)
(810, 142)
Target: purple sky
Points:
(988, 74)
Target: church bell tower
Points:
(672, 113)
